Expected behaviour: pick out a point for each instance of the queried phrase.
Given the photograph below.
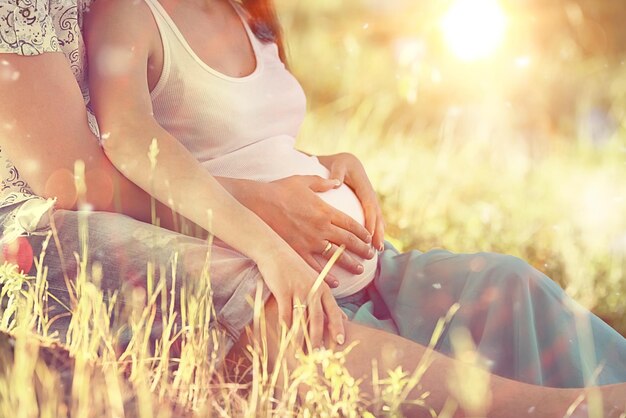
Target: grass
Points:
(100, 371)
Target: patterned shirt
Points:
(33, 27)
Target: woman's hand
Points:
(292, 282)
(291, 207)
(348, 169)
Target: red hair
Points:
(265, 25)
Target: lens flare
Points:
(474, 29)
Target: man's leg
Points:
(120, 254)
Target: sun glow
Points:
(473, 29)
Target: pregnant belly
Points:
(276, 158)
(346, 201)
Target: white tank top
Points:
(243, 127)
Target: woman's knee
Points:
(508, 270)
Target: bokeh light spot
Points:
(60, 184)
(7, 72)
(19, 252)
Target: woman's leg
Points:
(508, 398)
(520, 321)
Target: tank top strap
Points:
(166, 25)
(246, 18)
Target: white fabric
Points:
(243, 127)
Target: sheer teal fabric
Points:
(521, 322)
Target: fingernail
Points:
(341, 339)
(368, 238)
(335, 284)
(337, 182)
(359, 268)
(382, 247)
(370, 253)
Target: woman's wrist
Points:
(271, 250)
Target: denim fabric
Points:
(123, 247)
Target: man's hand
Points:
(348, 169)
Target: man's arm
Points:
(44, 131)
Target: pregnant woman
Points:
(219, 100)
(193, 75)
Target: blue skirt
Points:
(522, 323)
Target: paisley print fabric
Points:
(27, 27)
(33, 27)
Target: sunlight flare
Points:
(474, 29)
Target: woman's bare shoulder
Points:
(120, 21)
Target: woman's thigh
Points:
(503, 397)
(521, 321)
